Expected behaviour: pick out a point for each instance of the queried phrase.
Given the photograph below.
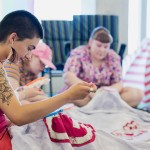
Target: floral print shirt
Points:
(108, 73)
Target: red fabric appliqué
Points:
(63, 129)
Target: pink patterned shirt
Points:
(108, 73)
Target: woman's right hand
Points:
(25, 93)
(79, 91)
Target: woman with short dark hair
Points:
(20, 32)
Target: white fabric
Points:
(107, 113)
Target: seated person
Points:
(25, 71)
(20, 32)
(97, 63)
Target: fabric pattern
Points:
(12, 70)
(57, 34)
(18, 72)
(108, 73)
(138, 73)
(107, 113)
(63, 129)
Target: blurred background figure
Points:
(97, 63)
(27, 70)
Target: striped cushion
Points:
(56, 30)
(56, 35)
(84, 24)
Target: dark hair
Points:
(101, 34)
(25, 24)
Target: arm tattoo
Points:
(5, 90)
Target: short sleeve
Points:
(73, 64)
(12, 70)
(115, 66)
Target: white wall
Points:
(65, 10)
(1, 10)
(88, 6)
(7, 6)
(116, 7)
(57, 9)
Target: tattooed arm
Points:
(23, 114)
(5, 90)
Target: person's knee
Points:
(132, 96)
(137, 93)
